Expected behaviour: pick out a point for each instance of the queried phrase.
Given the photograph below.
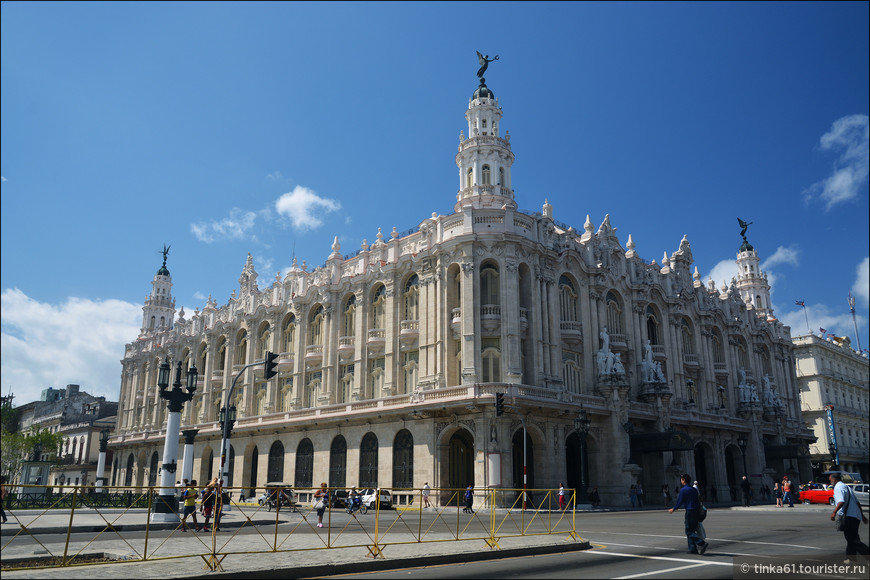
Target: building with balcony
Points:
(390, 359)
(831, 373)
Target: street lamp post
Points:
(835, 455)
(101, 462)
(166, 508)
(582, 424)
(742, 444)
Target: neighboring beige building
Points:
(391, 357)
(830, 372)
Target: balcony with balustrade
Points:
(690, 360)
(346, 347)
(217, 377)
(376, 340)
(314, 354)
(490, 318)
(572, 332)
(285, 361)
(456, 323)
(409, 332)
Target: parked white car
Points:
(861, 492)
(370, 496)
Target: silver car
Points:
(370, 498)
(861, 492)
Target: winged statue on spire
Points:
(484, 62)
(743, 227)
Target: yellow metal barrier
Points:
(502, 513)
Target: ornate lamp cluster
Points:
(176, 398)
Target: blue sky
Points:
(270, 128)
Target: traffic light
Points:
(270, 365)
(499, 404)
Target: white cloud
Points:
(820, 316)
(199, 295)
(782, 255)
(861, 287)
(234, 227)
(78, 342)
(722, 272)
(305, 208)
(850, 138)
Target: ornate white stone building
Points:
(390, 358)
(830, 372)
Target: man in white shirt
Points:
(843, 496)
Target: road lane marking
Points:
(663, 558)
(665, 571)
(587, 536)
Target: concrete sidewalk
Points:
(309, 557)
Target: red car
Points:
(818, 493)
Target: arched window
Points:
(742, 355)
(501, 176)
(128, 477)
(345, 384)
(718, 348)
(264, 341)
(765, 361)
(348, 318)
(567, 300)
(409, 370)
(489, 288)
(403, 460)
(614, 314)
(162, 321)
(368, 461)
(411, 298)
(571, 373)
(289, 342)
(242, 349)
(312, 388)
(688, 337)
(315, 327)
(486, 172)
(81, 448)
(153, 322)
(222, 354)
(379, 299)
(338, 462)
(304, 463)
(491, 360)
(652, 326)
(469, 178)
(275, 471)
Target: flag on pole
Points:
(823, 330)
(800, 303)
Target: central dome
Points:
(482, 92)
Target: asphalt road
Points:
(652, 544)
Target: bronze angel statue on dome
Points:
(484, 62)
(743, 227)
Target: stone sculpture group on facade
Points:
(609, 363)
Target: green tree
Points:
(16, 447)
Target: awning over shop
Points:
(788, 451)
(656, 442)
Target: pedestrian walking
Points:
(561, 496)
(849, 508)
(426, 491)
(208, 501)
(688, 500)
(666, 493)
(321, 501)
(639, 494)
(469, 499)
(746, 489)
(3, 494)
(787, 488)
(777, 492)
(190, 507)
(632, 495)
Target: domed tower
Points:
(158, 313)
(484, 158)
(751, 281)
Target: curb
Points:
(363, 566)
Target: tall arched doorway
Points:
(460, 466)
(368, 461)
(153, 469)
(338, 462)
(128, 477)
(704, 468)
(304, 464)
(733, 467)
(577, 465)
(255, 465)
(275, 471)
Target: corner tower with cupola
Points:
(158, 313)
(751, 281)
(484, 158)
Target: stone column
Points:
(187, 461)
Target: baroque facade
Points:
(391, 357)
(831, 373)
